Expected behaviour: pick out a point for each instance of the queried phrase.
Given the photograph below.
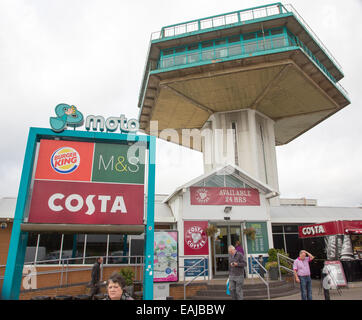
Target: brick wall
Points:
(4, 243)
(177, 290)
(73, 277)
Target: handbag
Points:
(227, 287)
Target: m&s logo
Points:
(65, 160)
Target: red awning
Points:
(354, 231)
(331, 228)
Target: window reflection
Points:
(49, 247)
(75, 248)
(96, 247)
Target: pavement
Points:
(353, 292)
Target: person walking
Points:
(96, 272)
(236, 273)
(115, 288)
(301, 271)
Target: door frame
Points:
(228, 225)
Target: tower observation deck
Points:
(260, 72)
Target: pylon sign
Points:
(88, 183)
(83, 178)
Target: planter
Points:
(273, 273)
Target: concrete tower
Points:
(237, 85)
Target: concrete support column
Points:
(252, 145)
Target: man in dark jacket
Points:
(96, 274)
(236, 273)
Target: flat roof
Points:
(309, 214)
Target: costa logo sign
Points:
(86, 203)
(314, 230)
(202, 196)
(196, 237)
(65, 160)
(75, 202)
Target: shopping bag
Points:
(227, 287)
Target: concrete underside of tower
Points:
(286, 87)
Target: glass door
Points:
(227, 235)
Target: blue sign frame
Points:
(197, 269)
(19, 238)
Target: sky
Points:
(91, 53)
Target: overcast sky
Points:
(92, 54)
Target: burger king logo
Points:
(65, 160)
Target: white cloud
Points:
(92, 54)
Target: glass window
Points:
(207, 44)
(31, 247)
(249, 36)
(167, 52)
(235, 235)
(215, 181)
(316, 246)
(96, 247)
(267, 44)
(277, 229)
(49, 247)
(288, 228)
(231, 181)
(208, 55)
(193, 57)
(80, 241)
(234, 39)
(73, 249)
(280, 42)
(278, 241)
(235, 50)
(221, 241)
(199, 184)
(118, 247)
(221, 52)
(193, 46)
(220, 42)
(178, 50)
(250, 47)
(167, 63)
(276, 31)
(180, 60)
(293, 245)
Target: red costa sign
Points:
(329, 228)
(195, 238)
(86, 203)
(224, 196)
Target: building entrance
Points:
(227, 235)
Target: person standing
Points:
(301, 271)
(239, 248)
(236, 273)
(96, 273)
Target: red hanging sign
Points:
(224, 196)
(329, 228)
